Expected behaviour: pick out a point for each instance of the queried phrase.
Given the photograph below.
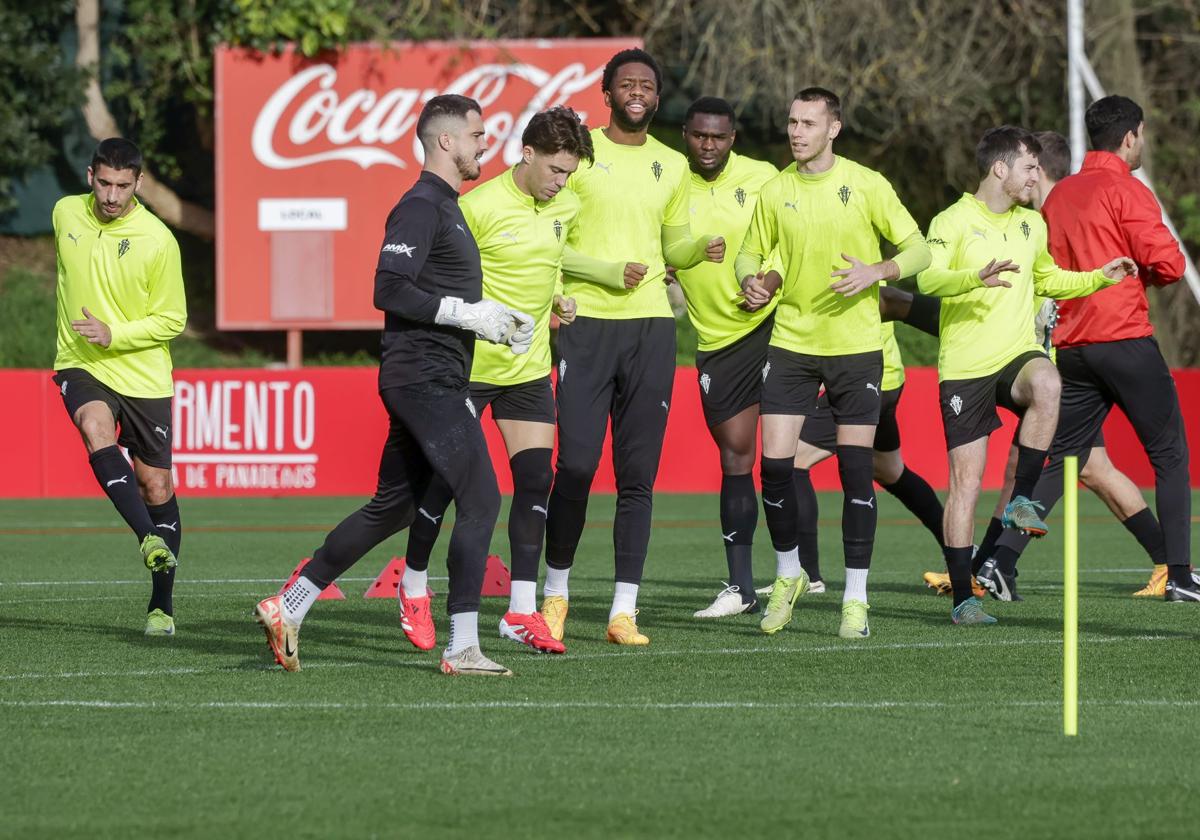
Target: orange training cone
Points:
(496, 578)
(388, 581)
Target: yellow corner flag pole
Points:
(1071, 595)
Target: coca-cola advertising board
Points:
(313, 153)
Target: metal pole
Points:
(1075, 52)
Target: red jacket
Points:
(1095, 216)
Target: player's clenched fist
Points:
(714, 251)
(634, 274)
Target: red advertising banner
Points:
(312, 154)
(319, 431)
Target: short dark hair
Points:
(1004, 143)
(117, 153)
(714, 105)
(630, 56)
(446, 105)
(1110, 119)
(1055, 156)
(831, 100)
(558, 129)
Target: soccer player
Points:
(617, 358)
(428, 284)
(822, 213)
(723, 190)
(1105, 344)
(1098, 473)
(988, 355)
(120, 302)
(521, 220)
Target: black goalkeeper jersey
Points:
(428, 253)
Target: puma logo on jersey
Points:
(428, 515)
(159, 430)
(607, 167)
(121, 480)
(665, 406)
(540, 509)
(870, 503)
(789, 204)
(403, 248)
(775, 504)
(512, 237)
(461, 229)
(73, 238)
(956, 404)
(705, 381)
(872, 386)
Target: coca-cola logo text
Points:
(364, 126)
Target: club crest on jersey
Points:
(1025, 229)
(122, 248)
(705, 381)
(740, 195)
(844, 195)
(558, 230)
(956, 404)
(562, 369)
(656, 168)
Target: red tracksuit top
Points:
(1101, 213)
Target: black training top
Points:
(428, 253)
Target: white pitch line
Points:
(180, 582)
(525, 705)
(632, 656)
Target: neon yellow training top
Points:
(813, 220)
(520, 245)
(984, 328)
(127, 273)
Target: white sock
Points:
(556, 582)
(523, 597)
(856, 585)
(624, 600)
(464, 632)
(787, 563)
(415, 583)
(298, 598)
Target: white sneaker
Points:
(728, 602)
(472, 661)
(815, 587)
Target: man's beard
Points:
(468, 167)
(624, 122)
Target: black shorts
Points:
(144, 423)
(820, 430)
(731, 377)
(792, 382)
(969, 405)
(532, 401)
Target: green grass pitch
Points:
(923, 730)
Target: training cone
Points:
(496, 578)
(332, 592)
(388, 582)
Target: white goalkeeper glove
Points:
(489, 320)
(522, 338)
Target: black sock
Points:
(924, 313)
(808, 511)
(994, 529)
(1029, 469)
(739, 518)
(958, 563)
(779, 502)
(1006, 560)
(859, 513)
(1145, 529)
(118, 481)
(532, 477)
(167, 525)
(423, 533)
(915, 494)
